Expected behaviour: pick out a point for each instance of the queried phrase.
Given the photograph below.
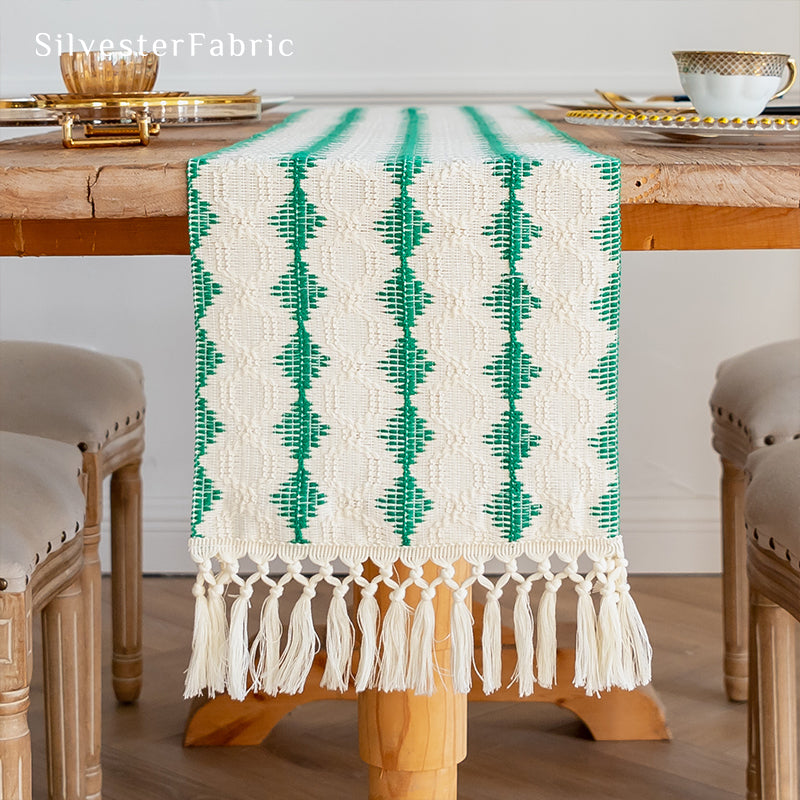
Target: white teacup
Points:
(733, 83)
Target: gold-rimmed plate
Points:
(689, 127)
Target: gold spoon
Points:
(614, 100)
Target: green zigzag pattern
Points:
(402, 227)
(511, 440)
(607, 305)
(207, 356)
(301, 360)
(606, 441)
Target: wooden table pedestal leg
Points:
(413, 743)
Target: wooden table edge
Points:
(654, 226)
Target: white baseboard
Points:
(671, 534)
(662, 535)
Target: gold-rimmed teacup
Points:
(109, 72)
(733, 83)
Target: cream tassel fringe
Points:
(265, 654)
(197, 673)
(611, 646)
(394, 644)
(301, 646)
(546, 645)
(461, 642)
(338, 644)
(492, 643)
(635, 637)
(367, 617)
(423, 629)
(216, 659)
(609, 636)
(238, 646)
(523, 636)
(586, 666)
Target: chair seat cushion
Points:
(67, 393)
(772, 498)
(756, 400)
(41, 503)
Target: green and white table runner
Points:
(406, 328)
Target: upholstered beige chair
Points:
(95, 402)
(772, 514)
(755, 403)
(41, 557)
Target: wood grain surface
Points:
(41, 180)
(522, 751)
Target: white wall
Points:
(682, 312)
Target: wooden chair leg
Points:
(777, 700)
(91, 588)
(414, 743)
(15, 676)
(65, 673)
(753, 777)
(126, 581)
(734, 582)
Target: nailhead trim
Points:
(769, 439)
(790, 558)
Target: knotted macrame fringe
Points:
(399, 651)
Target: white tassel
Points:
(635, 636)
(586, 668)
(238, 649)
(492, 643)
(265, 653)
(301, 645)
(338, 644)
(609, 638)
(546, 645)
(523, 636)
(394, 646)
(461, 642)
(367, 618)
(197, 673)
(217, 641)
(420, 660)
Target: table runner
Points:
(406, 350)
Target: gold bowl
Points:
(104, 72)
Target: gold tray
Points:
(66, 97)
(122, 119)
(163, 108)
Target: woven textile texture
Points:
(406, 346)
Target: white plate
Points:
(691, 127)
(577, 103)
(271, 102)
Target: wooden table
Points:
(132, 201)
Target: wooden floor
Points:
(516, 752)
